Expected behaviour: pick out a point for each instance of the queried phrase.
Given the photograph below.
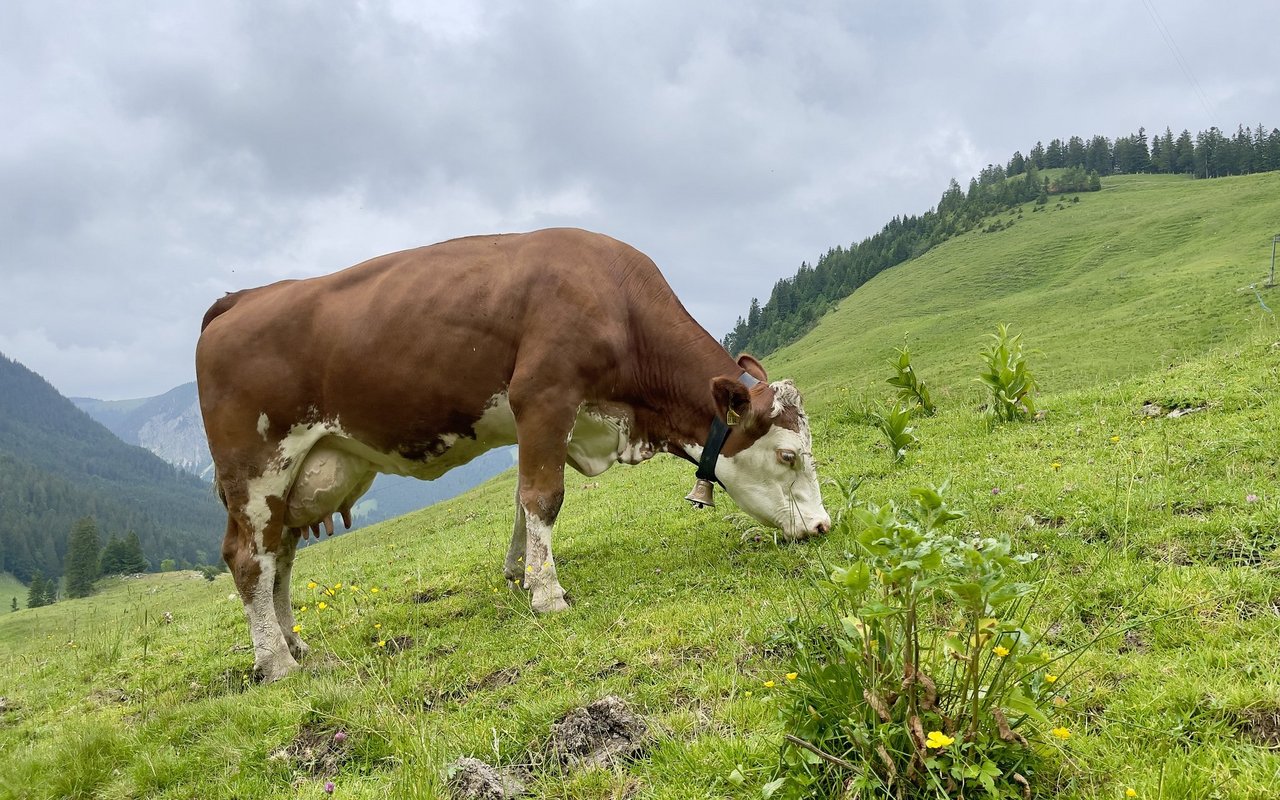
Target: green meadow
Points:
(1157, 536)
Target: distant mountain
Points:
(57, 465)
(170, 426)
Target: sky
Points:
(156, 155)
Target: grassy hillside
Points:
(1126, 280)
(11, 587)
(1168, 525)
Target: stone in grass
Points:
(597, 735)
(472, 779)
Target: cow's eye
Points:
(787, 457)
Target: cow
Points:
(568, 343)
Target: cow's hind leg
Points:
(251, 556)
(280, 591)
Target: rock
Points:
(472, 779)
(597, 735)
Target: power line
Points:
(1177, 56)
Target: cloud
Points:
(157, 157)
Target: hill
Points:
(57, 465)
(1151, 269)
(1155, 533)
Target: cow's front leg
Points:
(514, 567)
(283, 605)
(543, 425)
(541, 578)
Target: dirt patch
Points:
(602, 733)
(398, 644)
(110, 695)
(432, 595)
(1133, 642)
(1172, 410)
(1259, 725)
(612, 669)
(494, 680)
(316, 751)
(472, 779)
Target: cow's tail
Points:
(221, 306)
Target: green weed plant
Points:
(1006, 374)
(895, 423)
(915, 677)
(910, 388)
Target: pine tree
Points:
(132, 556)
(113, 557)
(82, 564)
(13, 606)
(38, 594)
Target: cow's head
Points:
(767, 463)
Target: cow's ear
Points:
(733, 400)
(752, 367)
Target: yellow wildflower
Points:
(937, 740)
(1115, 438)
(322, 606)
(312, 584)
(382, 643)
(1061, 733)
(377, 626)
(304, 608)
(769, 684)
(337, 585)
(1050, 678)
(1056, 465)
(1000, 651)
(1130, 791)
(297, 628)
(373, 590)
(791, 676)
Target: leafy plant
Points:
(910, 387)
(895, 423)
(915, 677)
(1006, 374)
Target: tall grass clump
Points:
(914, 676)
(1006, 374)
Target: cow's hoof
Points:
(298, 648)
(550, 604)
(275, 669)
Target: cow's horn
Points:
(701, 496)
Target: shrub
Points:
(1006, 374)
(915, 677)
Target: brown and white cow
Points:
(567, 342)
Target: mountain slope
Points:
(168, 425)
(1149, 270)
(57, 464)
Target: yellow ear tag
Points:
(731, 418)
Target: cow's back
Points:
(416, 344)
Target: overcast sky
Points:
(156, 155)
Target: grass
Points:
(10, 588)
(1166, 526)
